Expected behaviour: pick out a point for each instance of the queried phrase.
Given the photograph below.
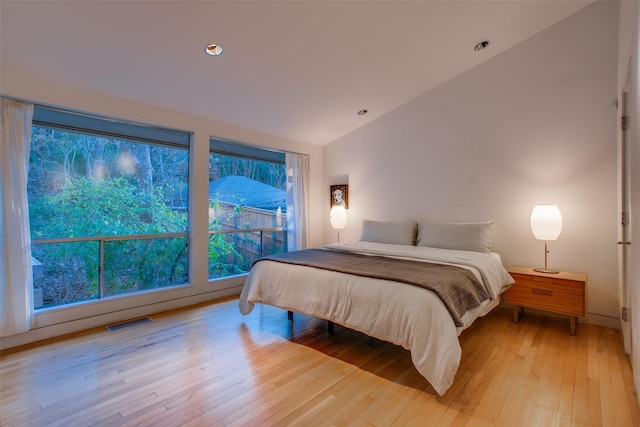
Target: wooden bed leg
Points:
(290, 315)
(330, 327)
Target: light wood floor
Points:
(209, 365)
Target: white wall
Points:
(629, 59)
(57, 321)
(532, 125)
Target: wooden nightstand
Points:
(562, 293)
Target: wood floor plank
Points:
(567, 386)
(208, 365)
(579, 412)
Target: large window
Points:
(247, 206)
(107, 207)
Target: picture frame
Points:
(339, 195)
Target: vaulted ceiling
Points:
(296, 69)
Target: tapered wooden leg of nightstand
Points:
(572, 324)
(518, 312)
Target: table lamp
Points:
(338, 217)
(546, 224)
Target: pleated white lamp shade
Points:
(546, 222)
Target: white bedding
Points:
(405, 315)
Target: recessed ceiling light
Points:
(362, 112)
(481, 45)
(213, 49)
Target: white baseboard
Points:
(56, 330)
(70, 327)
(605, 321)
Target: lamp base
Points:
(544, 270)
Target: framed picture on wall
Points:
(340, 195)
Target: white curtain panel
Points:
(16, 276)
(297, 201)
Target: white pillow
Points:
(395, 232)
(464, 237)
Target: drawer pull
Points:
(545, 292)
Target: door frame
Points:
(624, 177)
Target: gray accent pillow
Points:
(464, 236)
(395, 232)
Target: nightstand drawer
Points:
(545, 299)
(549, 283)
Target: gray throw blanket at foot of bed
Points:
(458, 288)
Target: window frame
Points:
(74, 121)
(133, 132)
(247, 151)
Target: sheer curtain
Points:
(297, 201)
(16, 276)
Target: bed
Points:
(384, 307)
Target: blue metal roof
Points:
(240, 190)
